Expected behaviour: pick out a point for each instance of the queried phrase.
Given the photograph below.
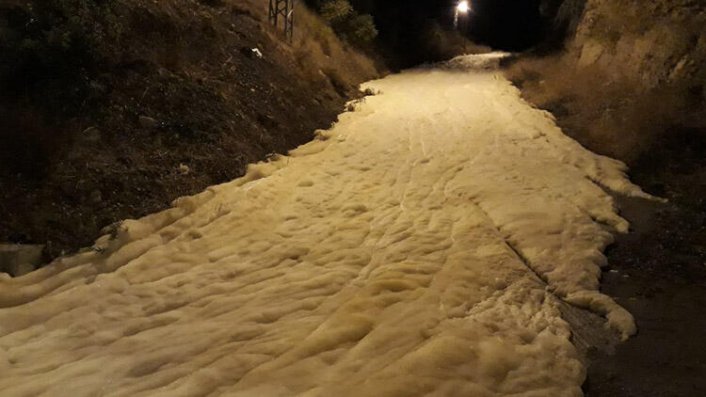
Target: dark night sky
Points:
(502, 24)
(506, 24)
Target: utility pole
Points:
(283, 10)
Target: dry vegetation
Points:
(617, 117)
(111, 109)
(438, 43)
(628, 78)
(318, 50)
(631, 84)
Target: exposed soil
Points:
(189, 106)
(178, 103)
(658, 270)
(658, 273)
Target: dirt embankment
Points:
(629, 74)
(628, 82)
(111, 110)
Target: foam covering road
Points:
(420, 247)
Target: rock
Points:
(97, 88)
(18, 259)
(91, 134)
(148, 122)
(267, 121)
(96, 196)
(590, 54)
(184, 169)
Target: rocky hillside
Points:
(632, 69)
(627, 78)
(657, 43)
(112, 109)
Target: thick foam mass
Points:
(419, 247)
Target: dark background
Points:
(501, 24)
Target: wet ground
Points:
(658, 273)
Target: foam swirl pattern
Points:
(419, 247)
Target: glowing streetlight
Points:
(463, 7)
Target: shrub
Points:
(440, 44)
(360, 29)
(51, 52)
(348, 24)
(618, 117)
(55, 40)
(335, 11)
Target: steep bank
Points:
(621, 75)
(111, 110)
(626, 79)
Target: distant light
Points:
(463, 6)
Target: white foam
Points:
(418, 248)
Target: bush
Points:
(440, 44)
(55, 40)
(52, 51)
(617, 117)
(360, 29)
(335, 11)
(347, 23)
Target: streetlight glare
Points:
(463, 7)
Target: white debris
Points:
(148, 122)
(257, 53)
(184, 169)
(421, 252)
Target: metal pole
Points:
(285, 9)
(286, 19)
(273, 12)
(290, 22)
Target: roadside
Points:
(658, 270)
(110, 111)
(418, 247)
(658, 273)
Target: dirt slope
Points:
(111, 110)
